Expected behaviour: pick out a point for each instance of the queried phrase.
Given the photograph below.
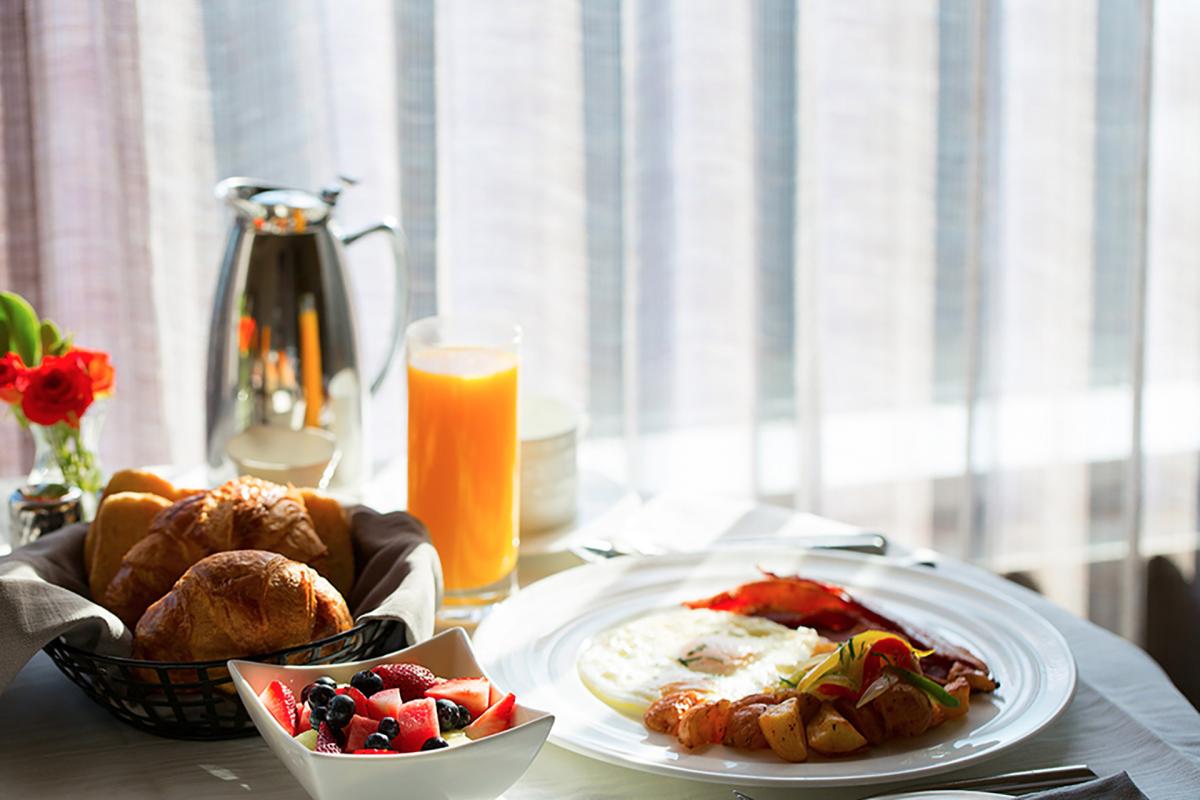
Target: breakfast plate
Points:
(533, 643)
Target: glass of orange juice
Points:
(463, 468)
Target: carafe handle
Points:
(400, 300)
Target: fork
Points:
(1018, 783)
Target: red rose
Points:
(59, 390)
(12, 378)
(98, 369)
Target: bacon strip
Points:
(830, 610)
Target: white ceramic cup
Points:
(304, 457)
(550, 431)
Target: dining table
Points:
(1125, 714)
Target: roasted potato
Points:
(743, 731)
(978, 681)
(866, 720)
(905, 710)
(960, 688)
(809, 704)
(831, 734)
(783, 730)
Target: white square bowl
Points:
(477, 770)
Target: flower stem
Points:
(78, 464)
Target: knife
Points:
(865, 542)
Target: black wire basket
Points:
(197, 700)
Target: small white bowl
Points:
(304, 457)
(478, 770)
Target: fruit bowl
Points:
(474, 770)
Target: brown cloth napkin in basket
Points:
(44, 590)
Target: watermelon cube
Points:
(473, 693)
(384, 704)
(418, 724)
(357, 732)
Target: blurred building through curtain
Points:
(930, 267)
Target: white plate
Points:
(531, 643)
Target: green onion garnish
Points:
(927, 686)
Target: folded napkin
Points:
(1114, 787)
(44, 590)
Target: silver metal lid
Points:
(271, 208)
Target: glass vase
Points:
(70, 456)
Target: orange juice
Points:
(462, 459)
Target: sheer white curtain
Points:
(929, 267)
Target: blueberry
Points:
(377, 741)
(464, 717)
(388, 727)
(319, 694)
(436, 743)
(317, 716)
(367, 682)
(340, 711)
(448, 716)
(324, 680)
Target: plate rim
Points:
(746, 554)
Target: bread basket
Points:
(197, 700)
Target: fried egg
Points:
(727, 654)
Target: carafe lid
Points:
(273, 209)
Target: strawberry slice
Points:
(418, 724)
(280, 704)
(495, 719)
(327, 740)
(304, 723)
(470, 692)
(384, 704)
(366, 752)
(494, 694)
(360, 700)
(411, 679)
(357, 732)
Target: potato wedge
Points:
(831, 734)
(960, 688)
(865, 720)
(743, 731)
(783, 729)
(905, 709)
(978, 681)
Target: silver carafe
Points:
(283, 346)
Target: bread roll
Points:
(122, 521)
(140, 480)
(244, 514)
(240, 603)
(125, 480)
(332, 525)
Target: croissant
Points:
(240, 603)
(243, 514)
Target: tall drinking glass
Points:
(463, 470)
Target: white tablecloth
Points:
(54, 742)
